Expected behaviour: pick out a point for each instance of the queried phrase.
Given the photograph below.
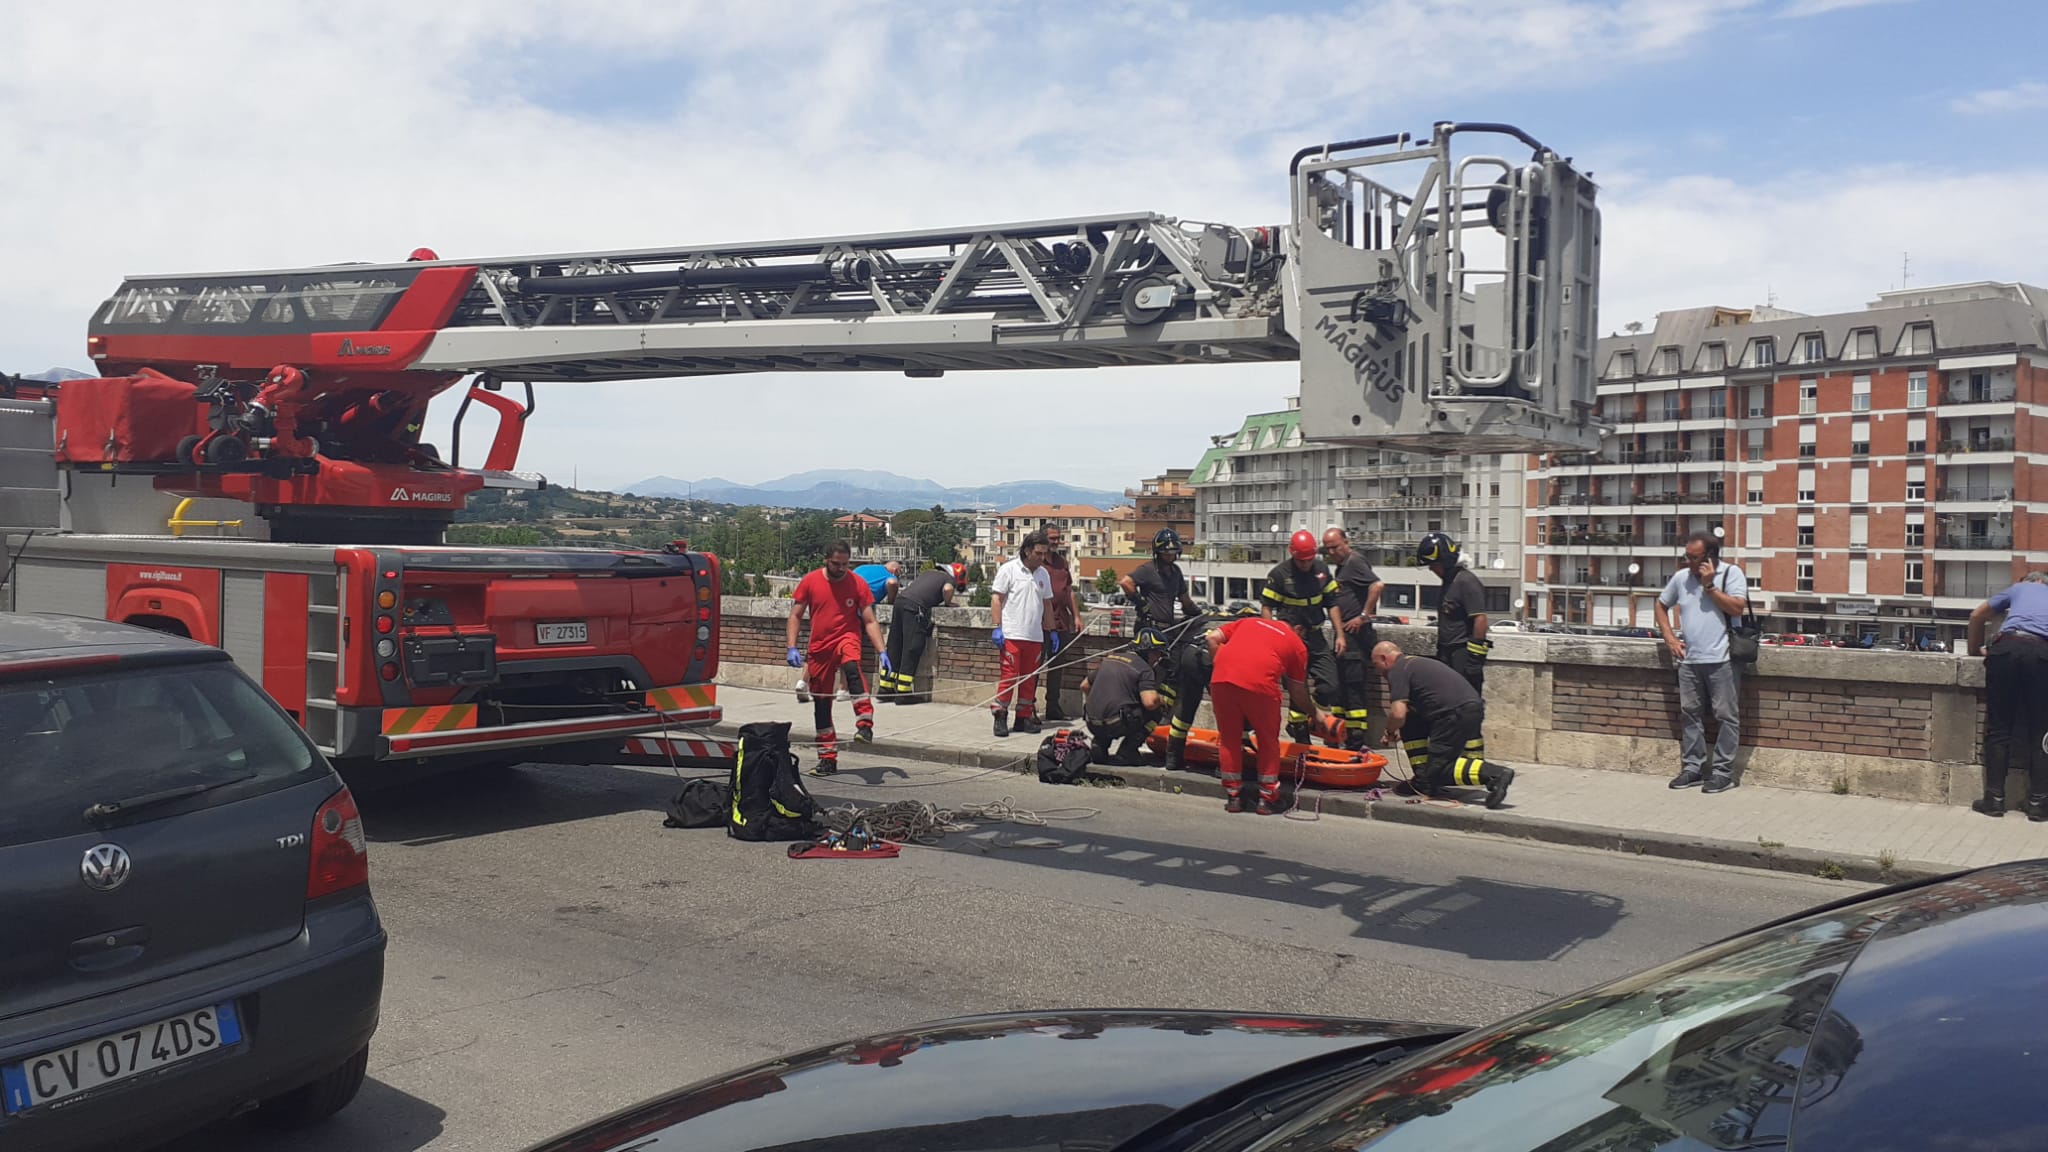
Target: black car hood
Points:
(1014, 1081)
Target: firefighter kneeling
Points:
(1439, 717)
(1122, 697)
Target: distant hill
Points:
(863, 488)
(57, 375)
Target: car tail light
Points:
(341, 854)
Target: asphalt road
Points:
(556, 953)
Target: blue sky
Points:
(1796, 147)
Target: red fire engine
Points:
(1438, 300)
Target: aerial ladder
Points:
(1438, 298)
(1438, 291)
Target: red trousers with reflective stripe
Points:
(1019, 678)
(1236, 709)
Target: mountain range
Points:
(855, 488)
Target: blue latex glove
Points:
(885, 663)
(796, 658)
(997, 636)
(1052, 644)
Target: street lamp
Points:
(1634, 570)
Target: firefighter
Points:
(1121, 697)
(1253, 660)
(1461, 611)
(910, 628)
(1437, 716)
(840, 608)
(1358, 601)
(1157, 588)
(1300, 591)
(2015, 693)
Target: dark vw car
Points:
(1910, 1019)
(185, 917)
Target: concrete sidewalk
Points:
(1816, 833)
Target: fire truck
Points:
(248, 467)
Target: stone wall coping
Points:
(1841, 664)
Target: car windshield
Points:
(1710, 1052)
(105, 737)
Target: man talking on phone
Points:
(1706, 593)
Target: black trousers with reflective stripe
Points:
(1323, 684)
(1183, 678)
(910, 629)
(1464, 663)
(1452, 748)
(1354, 684)
(1129, 724)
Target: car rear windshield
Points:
(70, 742)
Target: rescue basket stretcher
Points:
(1322, 767)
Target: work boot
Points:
(1176, 754)
(1298, 732)
(1029, 724)
(1356, 742)
(2037, 808)
(1269, 807)
(864, 734)
(826, 768)
(1002, 723)
(1990, 804)
(1497, 791)
(1233, 804)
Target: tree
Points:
(1106, 581)
(760, 587)
(938, 540)
(976, 574)
(908, 520)
(806, 538)
(982, 596)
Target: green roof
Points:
(1286, 422)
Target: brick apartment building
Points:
(1874, 472)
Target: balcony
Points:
(1584, 500)
(1989, 543)
(1273, 539)
(1371, 503)
(1275, 477)
(2005, 395)
(1676, 498)
(1220, 506)
(1974, 445)
(1975, 494)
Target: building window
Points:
(1759, 400)
(1916, 447)
(1806, 495)
(1622, 366)
(1667, 361)
(1809, 397)
(1916, 490)
(1862, 344)
(1916, 389)
(1808, 451)
(1713, 358)
(1815, 349)
(1766, 352)
(1756, 453)
(1805, 576)
(1859, 396)
(1805, 539)
(1916, 577)
(1672, 408)
(1916, 534)
(1860, 448)
(1493, 490)
(1756, 495)
(1717, 404)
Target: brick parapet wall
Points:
(1902, 725)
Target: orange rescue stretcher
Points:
(1320, 766)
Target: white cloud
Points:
(1799, 9)
(268, 135)
(2022, 97)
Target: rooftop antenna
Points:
(1905, 269)
(1770, 297)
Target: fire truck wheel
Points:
(226, 450)
(183, 453)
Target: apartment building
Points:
(1872, 471)
(1256, 486)
(997, 536)
(1165, 501)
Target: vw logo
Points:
(105, 867)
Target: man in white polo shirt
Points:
(1017, 605)
(1706, 593)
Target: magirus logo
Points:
(401, 496)
(351, 348)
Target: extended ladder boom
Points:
(1436, 299)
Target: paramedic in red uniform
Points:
(1253, 658)
(841, 607)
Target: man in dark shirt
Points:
(2015, 693)
(1438, 716)
(1300, 591)
(910, 628)
(1122, 697)
(1358, 600)
(1157, 589)
(1461, 612)
(1063, 623)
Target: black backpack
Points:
(1064, 759)
(768, 797)
(701, 804)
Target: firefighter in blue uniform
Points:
(1158, 588)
